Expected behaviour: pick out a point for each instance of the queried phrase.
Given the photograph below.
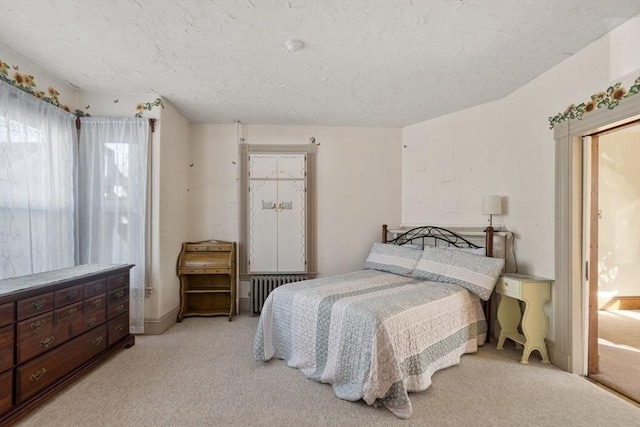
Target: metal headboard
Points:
(424, 235)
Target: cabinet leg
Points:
(528, 350)
(501, 340)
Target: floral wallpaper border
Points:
(609, 99)
(26, 83)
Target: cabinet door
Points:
(263, 166)
(291, 166)
(277, 218)
(291, 226)
(263, 226)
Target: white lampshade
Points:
(491, 205)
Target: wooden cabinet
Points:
(277, 213)
(207, 272)
(54, 327)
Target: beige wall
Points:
(358, 186)
(506, 147)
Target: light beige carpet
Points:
(201, 373)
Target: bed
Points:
(382, 332)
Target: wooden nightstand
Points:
(533, 291)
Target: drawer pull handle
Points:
(119, 279)
(119, 308)
(39, 324)
(97, 302)
(38, 374)
(120, 294)
(97, 341)
(98, 286)
(90, 321)
(47, 341)
(71, 311)
(119, 328)
(72, 294)
(38, 304)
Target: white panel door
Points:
(263, 166)
(277, 221)
(291, 166)
(291, 226)
(263, 226)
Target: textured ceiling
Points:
(364, 63)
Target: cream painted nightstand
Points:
(533, 291)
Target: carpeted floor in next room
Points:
(201, 373)
(619, 351)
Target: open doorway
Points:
(614, 259)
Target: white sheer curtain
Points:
(37, 161)
(112, 195)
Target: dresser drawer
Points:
(48, 368)
(118, 281)
(36, 305)
(95, 304)
(6, 314)
(97, 287)
(203, 270)
(88, 321)
(207, 247)
(35, 326)
(509, 287)
(6, 348)
(117, 309)
(118, 328)
(6, 338)
(6, 384)
(69, 313)
(69, 295)
(118, 295)
(31, 348)
(6, 359)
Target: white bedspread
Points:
(372, 335)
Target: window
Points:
(37, 157)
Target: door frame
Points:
(244, 151)
(568, 351)
(591, 239)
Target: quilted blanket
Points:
(372, 335)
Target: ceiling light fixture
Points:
(293, 44)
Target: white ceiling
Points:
(365, 63)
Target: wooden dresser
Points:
(207, 272)
(55, 326)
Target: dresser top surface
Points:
(21, 283)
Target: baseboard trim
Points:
(619, 303)
(159, 326)
(244, 304)
(558, 358)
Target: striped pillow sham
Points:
(475, 273)
(392, 259)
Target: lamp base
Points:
(488, 243)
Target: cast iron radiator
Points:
(263, 285)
